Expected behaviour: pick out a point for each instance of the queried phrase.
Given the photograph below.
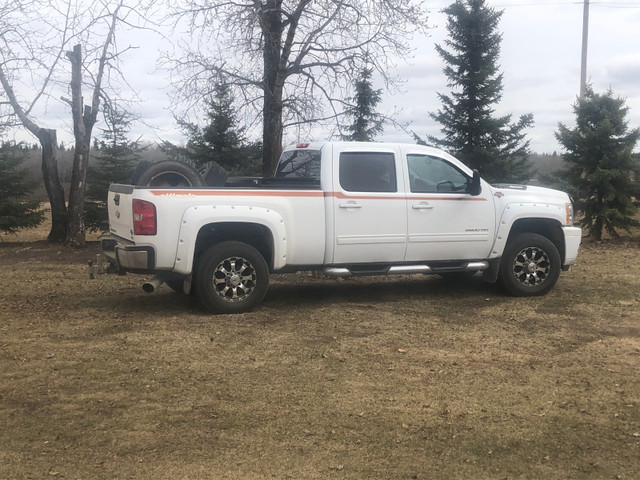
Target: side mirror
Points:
(475, 188)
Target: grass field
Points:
(382, 378)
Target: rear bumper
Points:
(572, 239)
(126, 256)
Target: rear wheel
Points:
(232, 277)
(530, 265)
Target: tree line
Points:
(291, 66)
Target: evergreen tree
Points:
(116, 158)
(494, 145)
(221, 140)
(603, 172)
(366, 124)
(16, 184)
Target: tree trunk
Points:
(76, 232)
(55, 191)
(272, 112)
(75, 223)
(49, 142)
(272, 134)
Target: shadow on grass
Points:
(376, 290)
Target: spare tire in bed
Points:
(169, 173)
(214, 175)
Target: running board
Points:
(402, 269)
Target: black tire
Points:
(139, 170)
(170, 173)
(530, 265)
(231, 277)
(215, 175)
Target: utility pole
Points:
(585, 41)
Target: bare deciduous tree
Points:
(84, 118)
(291, 59)
(34, 41)
(18, 32)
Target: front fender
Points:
(195, 218)
(523, 210)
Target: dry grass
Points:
(368, 378)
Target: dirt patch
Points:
(411, 377)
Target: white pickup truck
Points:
(345, 209)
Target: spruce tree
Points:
(366, 123)
(494, 145)
(603, 172)
(221, 140)
(116, 157)
(16, 210)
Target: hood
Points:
(529, 193)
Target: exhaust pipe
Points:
(152, 285)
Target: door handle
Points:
(422, 206)
(350, 205)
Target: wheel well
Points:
(256, 235)
(546, 227)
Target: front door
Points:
(444, 221)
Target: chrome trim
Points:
(402, 269)
(132, 259)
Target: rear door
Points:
(370, 218)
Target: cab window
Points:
(429, 174)
(367, 172)
(299, 163)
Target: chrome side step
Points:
(401, 269)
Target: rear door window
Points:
(368, 172)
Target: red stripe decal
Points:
(397, 196)
(234, 193)
(309, 194)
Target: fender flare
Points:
(197, 217)
(518, 211)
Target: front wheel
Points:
(530, 265)
(231, 277)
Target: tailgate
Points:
(120, 212)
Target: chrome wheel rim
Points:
(531, 266)
(234, 279)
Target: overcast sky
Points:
(540, 60)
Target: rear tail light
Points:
(144, 218)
